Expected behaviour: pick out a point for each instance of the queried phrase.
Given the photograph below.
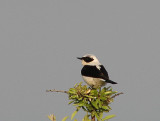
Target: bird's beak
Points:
(79, 58)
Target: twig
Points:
(93, 118)
(53, 90)
(117, 94)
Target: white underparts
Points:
(94, 82)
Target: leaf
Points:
(75, 84)
(80, 98)
(79, 104)
(102, 93)
(94, 93)
(74, 97)
(105, 107)
(100, 104)
(109, 107)
(94, 103)
(86, 118)
(78, 108)
(73, 114)
(103, 98)
(88, 91)
(70, 102)
(75, 119)
(97, 116)
(52, 117)
(108, 92)
(108, 117)
(72, 91)
(89, 107)
(97, 101)
(64, 119)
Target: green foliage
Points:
(93, 101)
(108, 117)
(52, 117)
(65, 118)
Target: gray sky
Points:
(39, 43)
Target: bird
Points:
(93, 72)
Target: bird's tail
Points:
(110, 81)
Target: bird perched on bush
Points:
(93, 73)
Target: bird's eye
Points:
(88, 59)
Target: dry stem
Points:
(117, 94)
(53, 90)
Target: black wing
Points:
(104, 73)
(93, 71)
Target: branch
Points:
(93, 118)
(53, 90)
(117, 94)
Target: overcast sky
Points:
(39, 43)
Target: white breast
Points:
(94, 82)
